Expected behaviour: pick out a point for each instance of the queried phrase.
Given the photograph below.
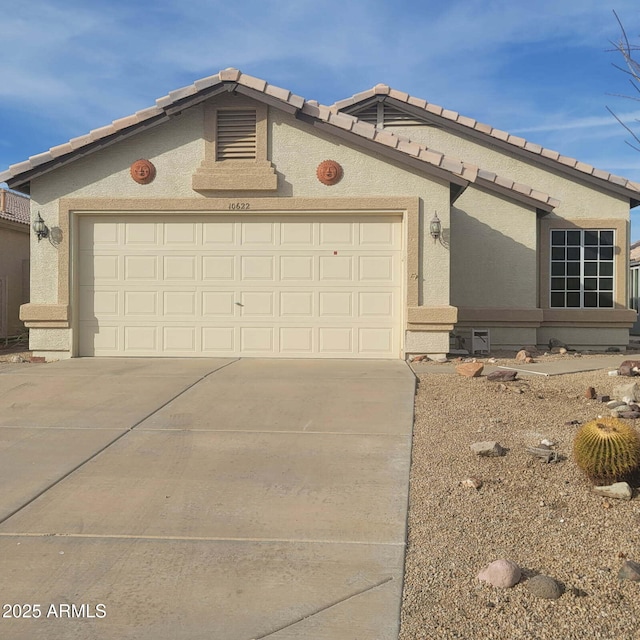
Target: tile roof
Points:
(200, 90)
(14, 207)
(485, 129)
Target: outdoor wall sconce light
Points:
(435, 227)
(40, 228)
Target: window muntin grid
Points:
(582, 268)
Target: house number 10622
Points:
(239, 206)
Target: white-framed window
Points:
(582, 268)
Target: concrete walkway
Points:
(213, 499)
(568, 364)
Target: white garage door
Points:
(276, 286)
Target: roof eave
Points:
(465, 131)
(20, 182)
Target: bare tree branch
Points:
(626, 49)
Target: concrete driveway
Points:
(203, 499)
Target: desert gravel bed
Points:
(542, 516)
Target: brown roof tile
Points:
(496, 133)
(15, 207)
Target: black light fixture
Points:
(435, 227)
(40, 228)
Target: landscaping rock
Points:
(629, 368)
(503, 375)
(501, 573)
(603, 398)
(618, 490)
(612, 404)
(627, 392)
(543, 587)
(590, 393)
(470, 369)
(628, 415)
(488, 449)
(554, 343)
(629, 570)
(16, 359)
(522, 355)
(472, 483)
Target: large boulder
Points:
(629, 368)
(470, 369)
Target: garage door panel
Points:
(376, 304)
(141, 233)
(213, 286)
(179, 268)
(219, 234)
(257, 268)
(179, 339)
(141, 339)
(336, 268)
(218, 304)
(296, 340)
(334, 234)
(257, 304)
(297, 268)
(297, 235)
(219, 268)
(336, 303)
(179, 303)
(375, 341)
(98, 269)
(376, 268)
(99, 302)
(295, 304)
(219, 340)
(141, 267)
(335, 340)
(141, 303)
(257, 339)
(258, 233)
(180, 233)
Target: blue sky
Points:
(542, 69)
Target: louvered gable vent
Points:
(385, 115)
(236, 134)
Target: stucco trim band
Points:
(499, 316)
(45, 315)
(623, 318)
(432, 316)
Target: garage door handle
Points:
(239, 304)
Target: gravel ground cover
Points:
(542, 516)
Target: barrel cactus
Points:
(607, 450)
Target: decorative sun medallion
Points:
(329, 172)
(143, 171)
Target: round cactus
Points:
(607, 449)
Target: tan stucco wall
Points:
(14, 251)
(493, 252)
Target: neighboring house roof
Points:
(463, 124)
(14, 206)
(329, 119)
(634, 253)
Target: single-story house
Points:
(14, 261)
(234, 218)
